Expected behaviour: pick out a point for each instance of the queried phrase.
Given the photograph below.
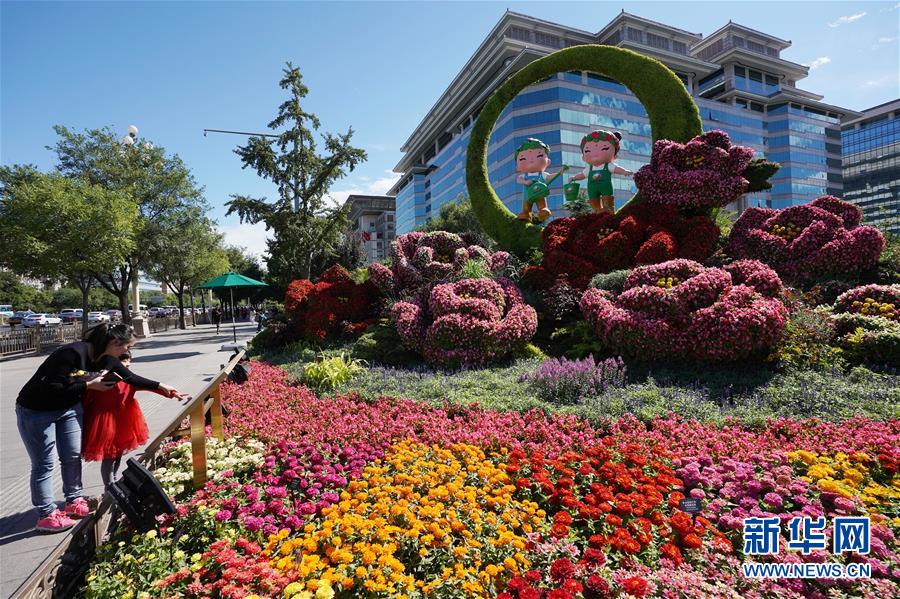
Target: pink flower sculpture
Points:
(681, 309)
(871, 300)
(419, 259)
(472, 321)
(819, 239)
(705, 172)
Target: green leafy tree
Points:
(458, 217)
(20, 295)
(304, 225)
(181, 260)
(53, 226)
(248, 265)
(159, 184)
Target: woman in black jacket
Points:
(49, 415)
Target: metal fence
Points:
(63, 571)
(34, 340)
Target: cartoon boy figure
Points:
(532, 158)
(599, 148)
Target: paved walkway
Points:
(185, 359)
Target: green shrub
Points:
(868, 339)
(381, 344)
(475, 269)
(611, 281)
(805, 343)
(575, 340)
(327, 374)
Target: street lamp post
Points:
(137, 320)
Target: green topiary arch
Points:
(672, 112)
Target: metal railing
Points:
(63, 570)
(34, 340)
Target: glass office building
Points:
(871, 146)
(735, 75)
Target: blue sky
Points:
(175, 68)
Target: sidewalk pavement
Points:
(187, 360)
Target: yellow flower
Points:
(151, 534)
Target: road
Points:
(185, 359)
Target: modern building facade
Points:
(736, 76)
(871, 147)
(372, 223)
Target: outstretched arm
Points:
(622, 171)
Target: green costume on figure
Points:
(600, 187)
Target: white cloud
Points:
(887, 40)
(820, 61)
(250, 237)
(880, 81)
(365, 186)
(847, 19)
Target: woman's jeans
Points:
(43, 432)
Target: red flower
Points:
(517, 583)
(573, 586)
(530, 593)
(597, 585)
(561, 569)
(636, 586)
(559, 594)
(533, 576)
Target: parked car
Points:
(41, 319)
(97, 317)
(6, 310)
(17, 317)
(71, 314)
(114, 314)
(157, 311)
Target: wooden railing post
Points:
(198, 444)
(216, 413)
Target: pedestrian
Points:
(49, 416)
(113, 421)
(217, 318)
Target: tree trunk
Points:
(193, 314)
(83, 282)
(120, 288)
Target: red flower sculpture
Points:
(332, 305)
(810, 241)
(583, 246)
(681, 309)
(703, 173)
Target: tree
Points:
(21, 296)
(160, 185)
(52, 226)
(188, 253)
(458, 217)
(304, 225)
(248, 265)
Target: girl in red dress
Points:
(113, 425)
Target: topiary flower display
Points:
(705, 172)
(420, 259)
(810, 241)
(472, 321)
(683, 310)
(867, 322)
(580, 247)
(334, 304)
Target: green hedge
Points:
(670, 108)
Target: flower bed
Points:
(810, 241)
(577, 248)
(681, 309)
(471, 321)
(396, 497)
(867, 323)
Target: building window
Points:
(546, 39)
(657, 41)
(518, 33)
(634, 35)
(756, 47)
(679, 47)
(757, 107)
(741, 103)
(737, 41)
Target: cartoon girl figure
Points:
(599, 148)
(532, 158)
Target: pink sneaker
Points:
(77, 508)
(55, 522)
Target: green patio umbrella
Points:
(231, 281)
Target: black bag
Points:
(240, 374)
